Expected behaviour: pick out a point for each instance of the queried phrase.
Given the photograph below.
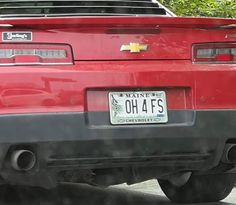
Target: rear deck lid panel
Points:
(121, 30)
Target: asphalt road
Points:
(152, 187)
(146, 193)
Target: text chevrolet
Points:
(107, 92)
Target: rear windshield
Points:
(44, 8)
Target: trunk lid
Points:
(102, 38)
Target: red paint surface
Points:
(55, 89)
(91, 39)
(100, 67)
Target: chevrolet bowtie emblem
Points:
(134, 47)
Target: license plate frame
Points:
(138, 107)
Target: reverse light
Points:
(35, 54)
(215, 53)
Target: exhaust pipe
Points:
(229, 155)
(23, 160)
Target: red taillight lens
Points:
(35, 54)
(214, 53)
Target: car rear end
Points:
(127, 87)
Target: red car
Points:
(154, 97)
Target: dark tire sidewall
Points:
(200, 188)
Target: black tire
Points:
(200, 188)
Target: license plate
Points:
(138, 107)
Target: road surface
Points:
(152, 187)
(146, 193)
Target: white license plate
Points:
(138, 107)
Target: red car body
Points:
(96, 43)
(73, 139)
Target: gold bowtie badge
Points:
(134, 47)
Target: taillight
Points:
(35, 54)
(214, 53)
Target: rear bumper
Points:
(191, 140)
(75, 133)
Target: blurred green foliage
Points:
(212, 8)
